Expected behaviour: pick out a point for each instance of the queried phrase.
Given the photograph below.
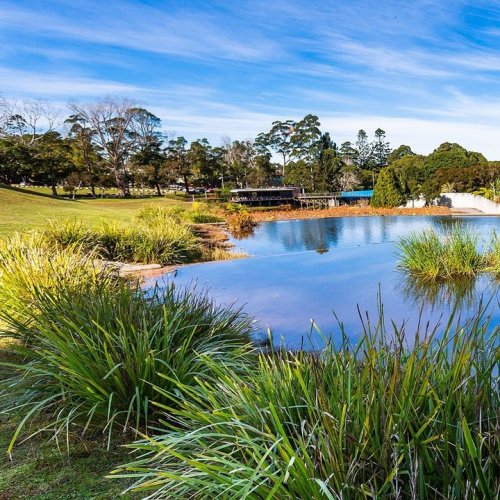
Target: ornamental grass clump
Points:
(30, 265)
(95, 358)
(439, 256)
(378, 419)
(168, 241)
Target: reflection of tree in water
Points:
(242, 233)
(436, 294)
(310, 234)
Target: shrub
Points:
(241, 224)
(375, 419)
(154, 215)
(167, 241)
(95, 358)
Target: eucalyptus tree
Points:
(147, 158)
(30, 120)
(280, 140)
(204, 161)
(113, 122)
(85, 153)
(177, 160)
(240, 160)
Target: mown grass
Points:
(22, 209)
(451, 254)
(374, 420)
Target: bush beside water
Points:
(91, 353)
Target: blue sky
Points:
(424, 71)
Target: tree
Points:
(388, 191)
(363, 150)
(410, 172)
(85, 154)
(279, 139)
(204, 162)
(31, 120)
(148, 158)
(177, 160)
(399, 152)
(451, 155)
(52, 160)
(348, 153)
(349, 178)
(307, 143)
(114, 132)
(380, 149)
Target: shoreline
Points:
(347, 211)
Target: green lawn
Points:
(29, 208)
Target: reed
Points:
(493, 256)
(441, 256)
(377, 419)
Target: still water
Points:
(301, 272)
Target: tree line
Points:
(116, 142)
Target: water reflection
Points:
(460, 293)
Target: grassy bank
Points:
(23, 209)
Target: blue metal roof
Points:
(367, 193)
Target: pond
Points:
(321, 271)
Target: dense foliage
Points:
(90, 354)
(377, 419)
(446, 255)
(114, 142)
(388, 191)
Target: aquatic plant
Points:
(448, 255)
(377, 419)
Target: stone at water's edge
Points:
(135, 268)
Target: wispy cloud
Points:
(424, 71)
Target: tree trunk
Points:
(186, 183)
(122, 183)
(54, 190)
(92, 190)
(158, 190)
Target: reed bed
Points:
(372, 420)
(448, 255)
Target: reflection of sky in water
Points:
(288, 283)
